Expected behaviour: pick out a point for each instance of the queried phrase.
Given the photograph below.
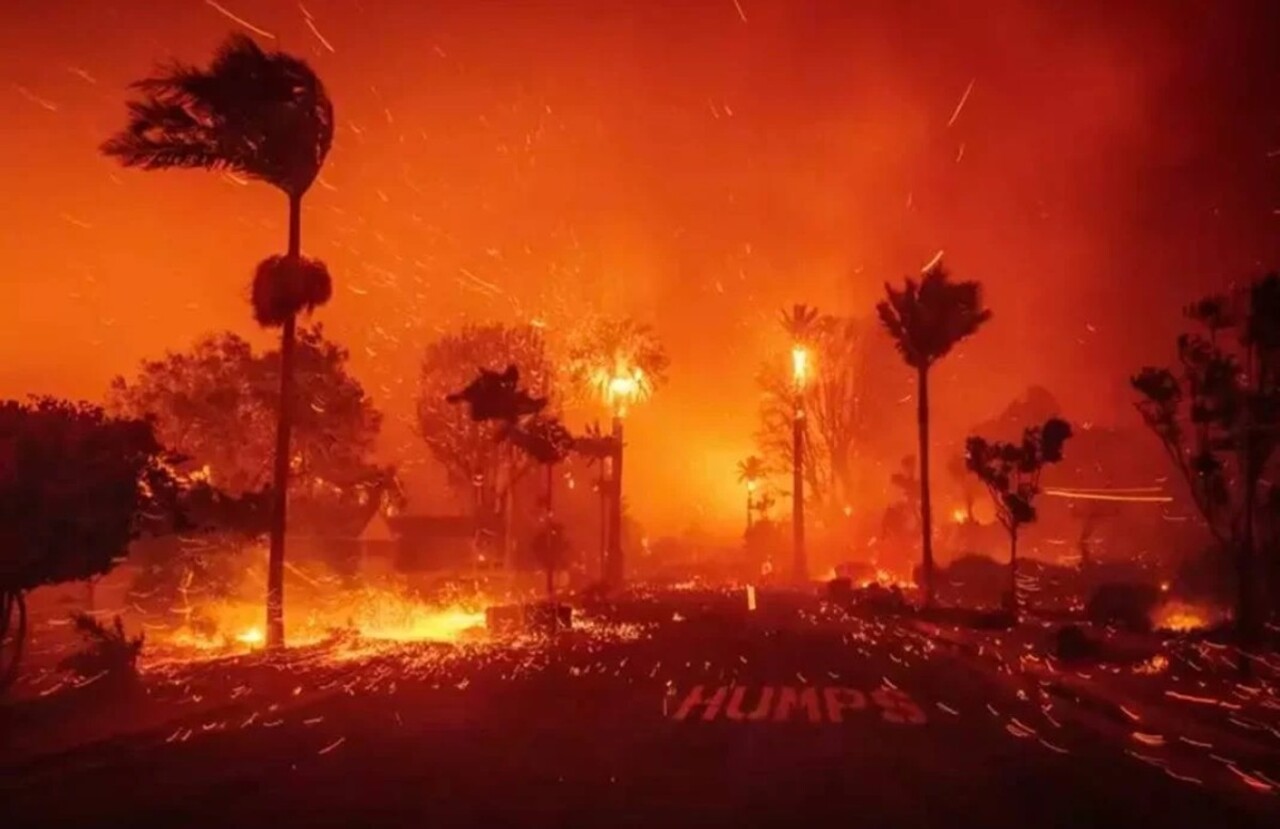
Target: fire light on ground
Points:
(370, 614)
(1182, 616)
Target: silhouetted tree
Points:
(474, 458)
(215, 405)
(1218, 417)
(926, 319)
(902, 517)
(1011, 473)
(547, 442)
(77, 488)
(597, 447)
(264, 115)
(621, 361)
(751, 471)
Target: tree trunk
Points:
(280, 483)
(616, 568)
(1246, 587)
(926, 510)
(799, 566)
(13, 634)
(602, 488)
(749, 509)
(1014, 605)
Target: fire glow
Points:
(1182, 617)
(368, 614)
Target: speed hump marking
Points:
(785, 703)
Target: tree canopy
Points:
(215, 404)
(469, 450)
(262, 114)
(77, 486)
(927, 318)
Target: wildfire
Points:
(371, 615)
(884, 578)
(1183, 616)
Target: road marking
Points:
(788, 703)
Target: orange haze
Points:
(674, 159)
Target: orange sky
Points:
(666, 159)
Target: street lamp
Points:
(799, 374)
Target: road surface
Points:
(681, 709)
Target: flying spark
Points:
(960, 106)
(227, 14)
(312, 26)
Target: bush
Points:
(108, 651)
(1072, 643)
(1126, 604)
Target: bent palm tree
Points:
(926, 320)
(264, 115)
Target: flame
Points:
(1183, 616)
(370, 614)
(884, 578)
(799, 364)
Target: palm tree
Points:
(802, 324)
(926, 320)
(750, 471)
(264, 115)
(624, 362)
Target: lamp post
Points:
(799, 372)
(621, 390)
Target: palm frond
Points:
(265, 115)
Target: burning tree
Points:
(477, 463)
(1218, 417)
(623, 362)
(844, 403)
(264, 115)
(215, 404)
(78, 486)
(1011, 473)
(926, 320)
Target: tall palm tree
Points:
(624, 362)
(264, 115)
(802, 324)
(926, 320)
(750, 471)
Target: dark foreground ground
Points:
(839, 722)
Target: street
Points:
(673, 709)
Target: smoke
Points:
(673, 161)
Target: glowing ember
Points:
(959, 515)
(368, 614)
(884, 578)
